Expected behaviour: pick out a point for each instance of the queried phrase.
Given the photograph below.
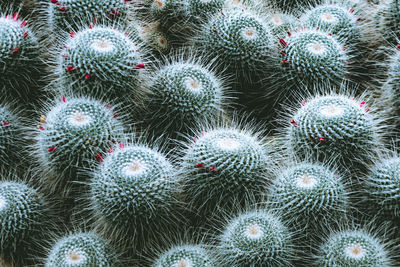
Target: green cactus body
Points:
(383, 188)
(80, 249)
(240, 40)
(334, 127)
(11, 139)
(153, 37)
(185, 256)
(101, 61)
(74, 133)
(392, 85)
(292, 5)
(134, 190)
(353, 248)
(338, 19)
(181, 95)
(19, 56)
(22, 216)
(202, 8)
(387, 19)
(257, 238)
(223, 164)
(310, 196)
(68, 15)
(311, 58)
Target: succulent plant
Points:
(335, 127)
(185, 255)
(81, 249)
(72, 135)
(353, 248)
(23, 217)
(181, 95)
(257, 238)
(310, 196)
(133, 191)
(225, 164)
(19, 57)
(101, 62)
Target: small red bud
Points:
(121, 145)
(69, 69)
(322, 139)
(15, 17)
(64, 56)
(5, 124)
(15, 51)
(41, 128)
(99, 157)
(199, 165)
(195, 139)
(23, 24)
(72, 34)
(329, 34)
(139, 66)
(367, 109)
(110, 150)
(344, 48)
(91, 26)
(63, 99)
(362, 104)
(303, 103)
(24, 35)
(51, 149)
(284, 62)
(283, 43)
(202, 133)
(87, 76)
(212, 169)
(351, 10)
(61, 8)
(283, 53)
(289, 33)
(358, 19)
(398, 47)
(115, 115)
(54, 2)
(295, 124)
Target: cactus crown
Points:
(353, 248)
(185, 256)
(258, 238)
(80, 249)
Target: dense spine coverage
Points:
(185, 255)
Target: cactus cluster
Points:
(185, 255)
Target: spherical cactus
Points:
(310, 196)
(341, 20)
(225, 164)
(311, 58)
(19, 56)
(392, 85)
(153, 37)
(383, 188)
(182, 94)
(353, 248)
(335, 127)
(240, 40)
(257, 238)
(292, 5)
(11, 139)
(185, 256)
(72, 135)
(101, 62)
(133, 191)
(81, 249)
(387, 19)
(23, 215)
(67, 15)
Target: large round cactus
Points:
(353, 248)
(102, 62)
(73, 134)
(257, 238)
(133, 191)
(310, 196)
(334, 127)
(225, 164)
(182, 94)
(240, 40)
(185, 256)
(81, 249)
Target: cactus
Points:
(392, 84)
(23, 217)
(74, 133)
(387, 19)
(68, 15)
(310, 196)
(240, 40)
(81, 249)
(133, 191)
(382, 188)
(335, 127)
(19, 57)
(102, 62)
(151, 35)
(353, 248)
(11, 139)
(339, 19)
(293, 5)
(257, 238)
(185, 255)
(225, 164)
(310, 59)
(282, 24)
(182, 94)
